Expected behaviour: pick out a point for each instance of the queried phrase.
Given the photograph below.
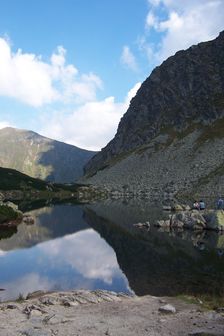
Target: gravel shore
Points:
(82, 313)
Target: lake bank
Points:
(106, 313)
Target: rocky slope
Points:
(40, 157)
(171, 137)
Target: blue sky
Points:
(68, 69)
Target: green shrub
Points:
(7, 213)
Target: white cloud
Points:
(28, 78)
(154, 2)
(128, 59)
(89, 126)
(2, 253)
(81, 120)
(4, 124)
(151, 20)
(131, 94)
(188, 22)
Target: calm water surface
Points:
(96, 246)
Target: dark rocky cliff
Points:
(185, 91)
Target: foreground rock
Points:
(105, 313)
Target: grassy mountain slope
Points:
(41, 157)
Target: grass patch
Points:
(207, 302)
(11, 179)
(7, 214)
(20, 298)
(211, 132)
(32, 188)
(219, 171)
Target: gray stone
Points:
(28, 220)
(163, 223)
(12, 306)
(35, 294)
(167, 208)
(167, 309)
(216, 221)
(12, 205)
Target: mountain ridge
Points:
(168, 134)
(41, 157)
(151, 108)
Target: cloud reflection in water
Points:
(79, 260)
(86, 252)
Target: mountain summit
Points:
(172, 133)
(40, 157)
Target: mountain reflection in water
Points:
(59, 252)
(97, 246)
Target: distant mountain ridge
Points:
(41, 157)
(172, 135)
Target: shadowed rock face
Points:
(40, 157)
(183, 95)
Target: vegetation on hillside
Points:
(8, 214)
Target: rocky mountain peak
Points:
(186, 89)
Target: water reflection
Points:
(50, 222)
(93, 246)
(78, 259)
(155, 262)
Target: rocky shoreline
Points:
(195, 220)
(101, 312)
(182, 217)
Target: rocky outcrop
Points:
(195, 220)
(166, 139)
(40, 157)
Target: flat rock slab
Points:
(167, 309)
(96, 313)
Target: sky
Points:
(69, 68)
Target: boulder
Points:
(192, 220)
(167, 309)
(167, 208)
(177, 207)
(220, 242)
(9, 216)
(186, 207)
(27, 219)
(145, 225)
(12, 205)
(216, 221)
(163, 223)
(177, 224)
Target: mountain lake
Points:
(96, 246)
